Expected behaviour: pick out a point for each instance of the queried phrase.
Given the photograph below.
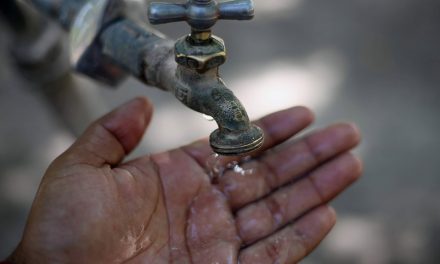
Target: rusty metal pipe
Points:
(151, 58)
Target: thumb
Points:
(109, 139)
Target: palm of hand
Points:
(165, 209)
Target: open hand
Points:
(92, 207)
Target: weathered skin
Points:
(92, 207)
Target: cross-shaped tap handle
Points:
(201, 15)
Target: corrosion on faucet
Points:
(105, 45)
(199, 56)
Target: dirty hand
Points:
(92, 207)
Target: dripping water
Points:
(217, 166)
(207, 117)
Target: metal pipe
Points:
(151, 59)
(136, 49)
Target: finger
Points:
(287, 163)
(277, 128)
(258, 220)
(113, 136)
(294, 242)
(211, 233)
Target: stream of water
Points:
(217, 166)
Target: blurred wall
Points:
(374, 62)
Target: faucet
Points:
(106, 44)
(199, 56)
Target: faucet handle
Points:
(162, 13)
(236, 10)
(201, 15)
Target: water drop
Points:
(214, 167)
(218, 167)
(207, 117)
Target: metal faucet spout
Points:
(207, 93)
